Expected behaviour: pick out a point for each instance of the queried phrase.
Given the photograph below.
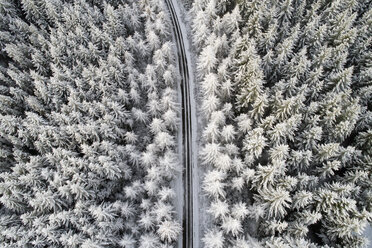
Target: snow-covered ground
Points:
(195, 176)
(199, 216)
(368, 233)
(177, 184)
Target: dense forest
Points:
(286, 101)
(90, 117)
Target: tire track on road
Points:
(188, 209)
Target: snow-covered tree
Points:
(213, 239)
(87, 124)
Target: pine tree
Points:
(71, 100)
(169, 230)
(213, 238)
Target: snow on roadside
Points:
(199, 207)
(368, 234)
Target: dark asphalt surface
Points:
(186, 130)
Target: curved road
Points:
(187, 123)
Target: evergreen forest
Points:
(94, 105)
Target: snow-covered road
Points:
(190, 191)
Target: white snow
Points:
(368, 234)
(196, 172)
